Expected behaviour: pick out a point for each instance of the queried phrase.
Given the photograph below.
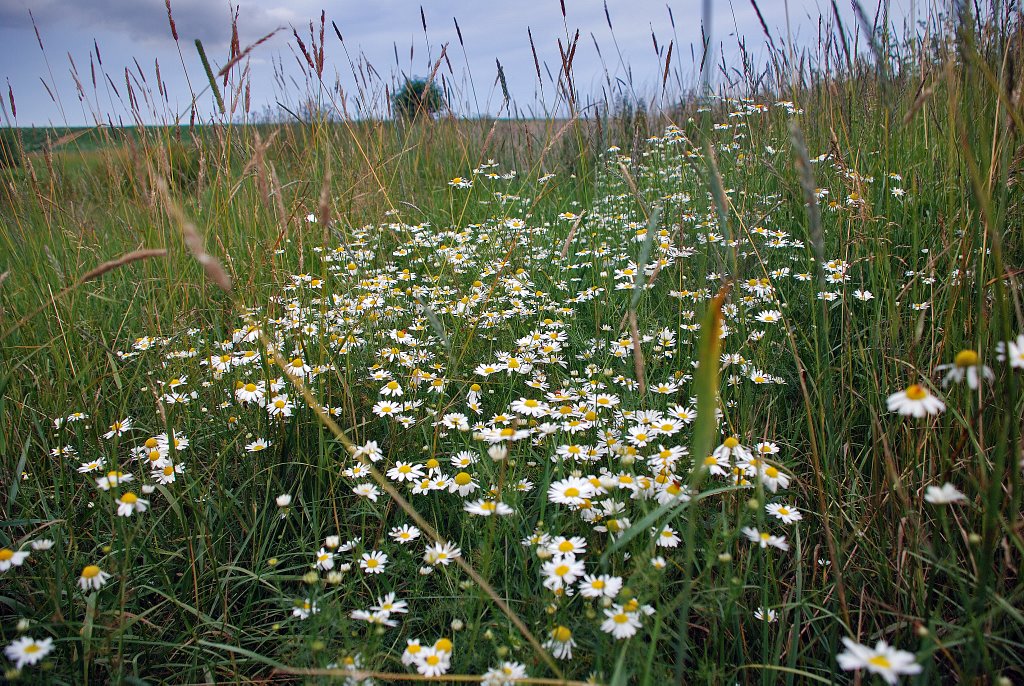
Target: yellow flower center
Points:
(783, 511)
(433, 660)
(371, 563)
(129, 498)
(772, 472)
(730, 443)
(444, 645)
(966, 358)
(561, 570)
(297, 362)
(250, 387)
(392, 385)
(880, 661)
(151, 443)
(432, 463)
(279, 404)
(572, 492)
(710, 460)
(90, 572)
(566, 547)
(620, 618)
(168, 470)
(916, 392)
(561, 634)
(6, 554)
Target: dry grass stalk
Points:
(572, 234)
(638, 355)
(94, 273)
(194, 241)
(127, 258)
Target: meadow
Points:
(720, 389)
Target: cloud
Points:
(146, 21)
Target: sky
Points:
(115, 41)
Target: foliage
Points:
(417, 98)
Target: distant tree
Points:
(416, 98)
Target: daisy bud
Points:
(497, 452)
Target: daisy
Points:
(561, 571)
(883, 659)
(1012, 351)
(766, 615)
(572, 491)
(773, 478)
(561, 545)
(732, 449)
(257, 445)
(530, 407)
(93, 466)
(389, 603)
(324, 560)
(667, 537)
(373, 562)
(27, 650)
(370, 451)
(486, 508)
(620, 623)
(764, 539)
(412, 649)
(463, 484)
(304, 608)
(561, 643)
(404, 533)
(786, 513)
(716, 464)
(250, 393)
(129, 503)
(385, 408)
(507, 674)
(297, 367)
(167, 473)
(10, 558)
(441, 554)
(405, 471)
(119, 428)
(92, 577)
(967, 365)
(280, 406)
(367, 490)
(946, 494)
(391, 388)
(916, 401)
(432, 662)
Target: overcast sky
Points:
(386, 34)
